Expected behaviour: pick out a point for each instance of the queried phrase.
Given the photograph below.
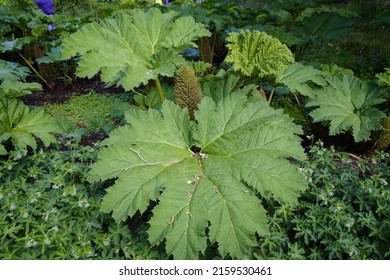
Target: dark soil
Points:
(60, 92)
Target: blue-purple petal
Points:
(46, 6)
(50, 27)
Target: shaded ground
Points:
(61, 92)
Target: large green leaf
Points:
(255, 53)
(130, 50)
(205, 175)
(22, 125)
(325, 26)
(12, 89)
(348, 103)
(296, 76)
(222, 86)
(12, 71)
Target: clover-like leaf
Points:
(131, 49)
(205, 176)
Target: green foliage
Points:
(78, 109)
(384, 77)
(348, 103)
(240, 153)
(12, 77)
(296, 77)
(49, 211)
(326, 27)
(12, 71)
(331, 70)
(130, 50)
(383, 141)
(17, 122)
(255, 53)
(21, 125)
(343, 215)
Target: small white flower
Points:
(91, 253)
(55, 229)
(1, 196)
(30, 243)
(302, 170)
(352, 251)
(25, 215)
(337, 208)
(74, 254)
(56, 186)
(12, 207)
(106, 242)
(383, 181)
(83, 203)
(350, 223)
(46, 241)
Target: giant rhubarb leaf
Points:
(22, 125)
(296, 77)
(130, 50)
(328, 27)
(206, 176)
(348, 103)
(255, 53)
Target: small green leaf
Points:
(384, 77)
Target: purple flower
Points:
(46, 6)
(50, 27)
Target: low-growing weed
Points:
(49, 211)
(344, 214)
(93, 111)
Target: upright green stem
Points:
(32, 68)
(271, 95)
(160, 90)
(308, 121)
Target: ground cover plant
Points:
(194, 130)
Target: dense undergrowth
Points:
(278, 147)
